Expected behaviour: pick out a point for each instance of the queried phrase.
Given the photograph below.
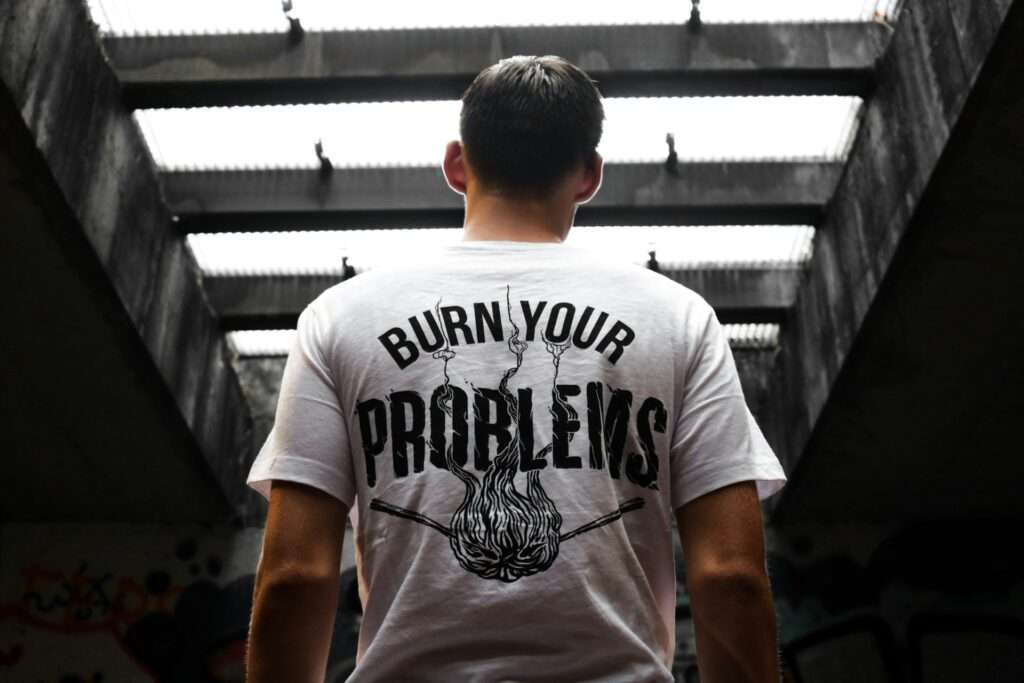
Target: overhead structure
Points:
(752, 161)
(247, 189)
(429, 64)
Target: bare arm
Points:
(722, 534)
(296, 593)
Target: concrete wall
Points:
(933, 602)
(118, 329)
(929, 81)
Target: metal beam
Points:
(424, 64)
(739, 295)
(702, 193)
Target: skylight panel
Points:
(367, 134)
(248, 343)
(753, 335)
(320, 252)
(149, 17)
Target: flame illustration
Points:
(497, 532)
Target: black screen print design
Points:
(498, 532)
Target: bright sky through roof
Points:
(237, 16)
(415, 133)
(320, 252)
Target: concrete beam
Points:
(418, 64)
(274, 302)
(117, 378)
(923, 81)
(703, 193)
(924, 419)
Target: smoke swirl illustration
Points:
(497, 532)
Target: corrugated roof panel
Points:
(321, 252)
(249, 343)
(415, 133)
(147, 17)
(753, 335)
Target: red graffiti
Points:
(76, 603)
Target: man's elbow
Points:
(736, 581)
(294, 578)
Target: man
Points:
(513, 424)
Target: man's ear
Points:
(454, 167)
(593, 175)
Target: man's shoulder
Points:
(366, 283)
(667, 290)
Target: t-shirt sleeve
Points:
(716, 441)
(309, 441)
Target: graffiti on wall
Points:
(111, 615)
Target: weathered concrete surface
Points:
(708, 193)
(89, 430)
(912, 421)
(119, 373)
(755, 367)
(261, 381)
(267, 68)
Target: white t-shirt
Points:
(513, 425)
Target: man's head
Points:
(529, 130)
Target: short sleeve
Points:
(309, 441)
(716, 441)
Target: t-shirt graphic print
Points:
(497, 531)
(513, 426)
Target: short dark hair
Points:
(527, 121)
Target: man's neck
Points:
(490, 217)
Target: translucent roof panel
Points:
(753, 335)
(129, 17)
(415, 133)
(321, 252)
(261, 342)
(278, 342)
